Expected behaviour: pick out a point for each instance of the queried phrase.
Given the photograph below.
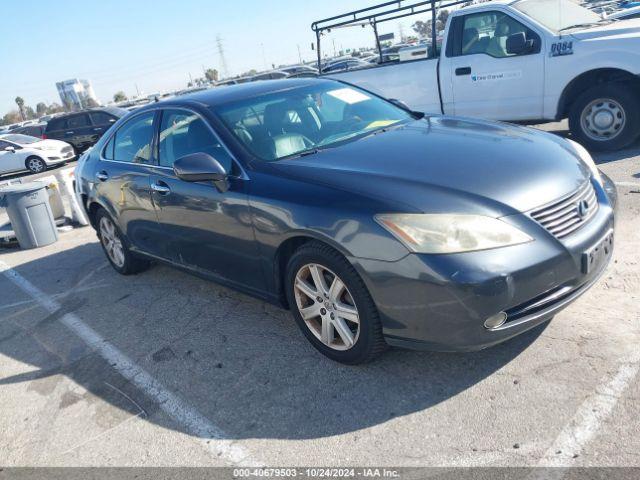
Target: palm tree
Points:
(20, 102)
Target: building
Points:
(77, 94)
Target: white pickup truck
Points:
(527, 61)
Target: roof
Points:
(221, 95)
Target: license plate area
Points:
(595, 256)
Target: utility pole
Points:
(137, 90)
(223, 61)
(335, 53)
(299, 54)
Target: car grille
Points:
(66, 150)
(568, 214)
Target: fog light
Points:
(495, 321)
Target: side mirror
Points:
(201, 167)
(518, 44)
(10, 149)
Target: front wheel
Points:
(606, 117)
(332, 306)
(36, 165)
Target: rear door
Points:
(56, 128)
(79, 131)
(486, 81)
(122, 179)
(101, 122)
(203, 228)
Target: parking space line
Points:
(211, 436)
(588, 418)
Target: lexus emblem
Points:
(583, 208)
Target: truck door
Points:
(487, 80)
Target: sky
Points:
(151, 46)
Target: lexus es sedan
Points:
(373, 224)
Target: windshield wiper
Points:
(578, 25)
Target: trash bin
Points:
(30, 214)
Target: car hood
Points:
(446, 164)
(615, 30)
(49, 144)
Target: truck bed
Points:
(414, 83)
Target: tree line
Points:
(26, 112)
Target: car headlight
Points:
(587, 160)
(451, 233)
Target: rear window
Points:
(57, 124)
(102, 118)
(78, 121)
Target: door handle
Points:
(102, 176)
(69, 133)
(463, 71)
(160, 187)
(97, 129)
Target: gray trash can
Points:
(30, 214)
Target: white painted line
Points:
(212, 437)
(628, 184)
(587, 420)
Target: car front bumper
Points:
(440, 302)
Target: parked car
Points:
(83, 129)
(345, 65)
(35, 130)
(299, 69)
(625, 14)
(527, 61)
(23, 152)
(373, 224)
(273, 75)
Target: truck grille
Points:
(568, 214)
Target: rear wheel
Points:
(606, 117)
(115, 247)
(35, 165)
(332, 306)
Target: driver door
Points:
(485, 80)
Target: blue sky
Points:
(117, 44)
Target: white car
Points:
(23, 152)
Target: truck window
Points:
(487, 32)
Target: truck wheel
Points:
(606, 117)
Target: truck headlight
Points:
(587, 160)
(451, 233)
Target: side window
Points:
(132, 141)
(487, 32)
(57, 124)
(78, 121)
(101, 118)
(182, 133)
(107, 153)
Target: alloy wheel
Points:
(327, 307)
(111, 242)
(35, 165)
(603, 119)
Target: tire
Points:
(124, 262)
(366, 341)
(35, 164)
(619, 125)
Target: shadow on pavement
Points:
(241, 363)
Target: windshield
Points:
(21, 139)
(294, 121)
(558, 15)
